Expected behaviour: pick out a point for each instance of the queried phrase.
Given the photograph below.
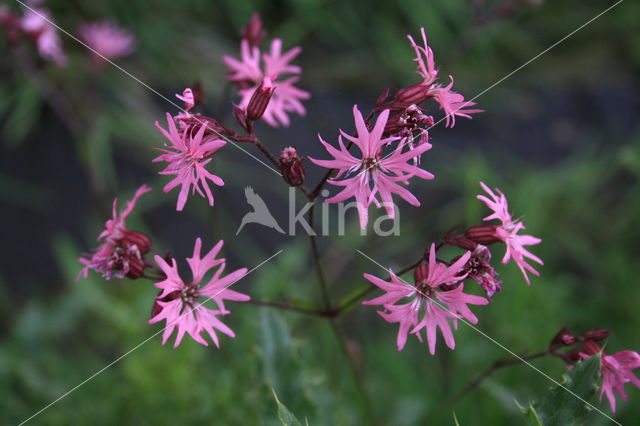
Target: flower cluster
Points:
(37, 25)
(438, 295)
(615, 370)
(375, 176)
(371, 165)
(122, 252)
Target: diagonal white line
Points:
(62, 30)
(115, 361)
(499, 344)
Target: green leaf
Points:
(565, 405)
(286, 417)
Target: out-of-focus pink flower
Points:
(373, 174)
(435, 295)
(616, 370)
(187, 154)
(254, 32)
(38, 24)
(123, 250)
(508, 232)
(452, 103)
(188, 99)
(248, 73)
(181, 304)
(108, 40)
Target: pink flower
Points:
(122, 253)
(615, 370)
(452, 103)
(248, 74)
(179, 302)
(39, 25)
(107, 39)
(187, 154)
(435, 295)
(188, 99)
(508, 232)
(373, 174)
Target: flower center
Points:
(370, 164)
(425, 291)
(189, 295)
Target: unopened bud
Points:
(241, 117)
(591, 348)
(483, 234)
(595, 334)
(563, 338)
(198, 93)
(254, 32)
(421, 272)
(260, 99)
(291, 166)
(416, 94)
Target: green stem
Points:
(316, 258)
(367, 412)
(475, 382)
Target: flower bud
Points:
(591, 348)
(291, 166)
(254, 33)
(483, 234)
(421, 272)
(416, 94)
(563, 338)
(260, 99)
(595, 334)
(241, 117)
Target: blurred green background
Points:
(560, 138)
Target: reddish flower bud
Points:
(421, 272)
(291, 166)
(408, 121)
(198, 93)
(260, 99)
(241, 117)
(479, 269)
(483, 234)
(129, 253)
(461, 241)
(254, 33)
(382, 99)
(563, 338)
(416, 94)
(591, 348)
(595, 334)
